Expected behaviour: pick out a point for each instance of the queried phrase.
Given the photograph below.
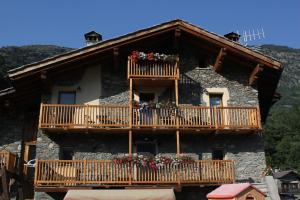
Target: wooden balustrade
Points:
(83, 116)
(96, 172)
(152, 69)
(118, 116)
(8, 160)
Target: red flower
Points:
(134, 56)
(150, 56)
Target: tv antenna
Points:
(251, 35)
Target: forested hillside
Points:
(282, 131)
(12, 57)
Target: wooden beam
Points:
(130, 103)
(130, 143)
(177, 143)
(176, 92)
(176, 44)
(254, 74)
(219, 60)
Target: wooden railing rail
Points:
(8, 160)
(97, 172)
(120, 116)
(83, 116)
(151, 69)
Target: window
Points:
(215, 100)
(249, 197)
(143, 147)
(66, 97)
(147, 97)
(66, 153)
(218, 154)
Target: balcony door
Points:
(146, 113)
(67, 112)
(215, 100)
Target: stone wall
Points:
(11, 127)
(91, 147)
(195, 79)
(246, 150)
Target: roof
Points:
(230, 190)
(281, 174)
(121, 194)
(29, 69)
(7, 91)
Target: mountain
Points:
(13, 56)
(282, 130)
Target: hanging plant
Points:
(141, 56)
(155, 163)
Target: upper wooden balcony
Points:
(121, 117)
(8, 160)
(97, 173)
(152, 70)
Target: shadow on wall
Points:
(114, 83)
(190, 91)
(98, 147)
(10, 132)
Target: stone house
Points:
(288, 183)
(171, 106)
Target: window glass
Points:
(147, 97)
(67, 154)
(217, 154)
(143, 147)
(215, 99)
(66, 97)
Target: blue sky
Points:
(63, 22)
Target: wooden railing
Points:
(8, 160)
(83, 116)
(118, 116)
(96, 172)
(151, 69)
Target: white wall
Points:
(90, 87)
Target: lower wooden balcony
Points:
(8, 160)
(99, 173)
(122, 117)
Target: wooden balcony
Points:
(8, 160)
(97, 173)
(152, 70)
(119, 117)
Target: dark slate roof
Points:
(278, 175)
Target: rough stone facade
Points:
(11, 128)
(195, 79)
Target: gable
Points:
(263, 71)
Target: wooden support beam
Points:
(176, 44)
(130, 103)
(254, 74)
(177, 143)
(116, 58)
(130, 143)
(176, 92)
(219, 60)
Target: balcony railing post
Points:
(36, 172)
(84, 171)
(86, 111)
(215, 115)
(41, 114)
(258, 117)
